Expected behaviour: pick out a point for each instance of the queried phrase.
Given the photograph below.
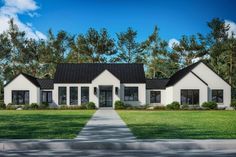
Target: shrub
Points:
(2, 106)
(90, 106)
(173, 106)
(9, 104)
(34, 106)
(233, 104)
(209, 105)
(184, 106)
(83, 106)
(12, 107)
(119, 105)
(26, 107)
(159, 108)
(44, 105)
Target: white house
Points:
(104, 83)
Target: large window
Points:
(155, 97)
(46, 96)
(62, 95)
(131, 93)
(190, 97)
(217, 96)
(73, 95)
(20, 97)
(84, 94)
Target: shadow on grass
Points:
(165, 131)
(35, 126)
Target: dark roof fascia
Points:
(199, 78)
(217, 74)
(25, 75)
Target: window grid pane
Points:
(155, 97)
(190, 96)
(73, 95)
(84, 95)
(217, 96)
(62, 95)
(131, 94)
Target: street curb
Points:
(158, 145)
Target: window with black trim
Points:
(217, 95)
(190, 96)
(155, 97)
(46, 96)
(73, 95)
(131, 94)
(20, 97)
(84, 95)
(62, 95)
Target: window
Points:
(155, 97)
(217, 96)
(190, 97)
(20, 97)
(46, 96)
(62, 95)
(131, 93)
(73, 95)
(84, 94)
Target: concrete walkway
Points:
(105, 126)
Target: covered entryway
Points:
(105, 96)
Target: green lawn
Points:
(181, 124)
(43, 124)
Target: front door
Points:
(105, 96)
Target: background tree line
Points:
(40, 57)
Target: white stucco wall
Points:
(21, 83)
(106, 79)
(214, 82)
(163, 96)
(141, 93)
(190, 81)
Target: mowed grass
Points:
(181, 124)
(42, 124)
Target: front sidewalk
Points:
(105, 126)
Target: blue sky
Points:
(173, 17)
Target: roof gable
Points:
(86, 72)
(181, 73)
(102, 73)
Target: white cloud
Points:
(172, 42)
(12, 8)
(232, 27)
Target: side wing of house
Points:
(218, 89)
(21, 91)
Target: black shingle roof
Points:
(31, 79)
(156, 83)
(45, 83)
(86, 72)
(181, 73)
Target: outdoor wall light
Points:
(95, 90)
(116, 90)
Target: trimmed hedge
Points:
(119, 105)
(2, 106)
(210, 105)
(173, 106)
(233, 104)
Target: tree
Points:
(128, 47)
(92, 47)
(156, 51)
(190, 48)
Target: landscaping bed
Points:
(181, 124)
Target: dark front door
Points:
(105, 96)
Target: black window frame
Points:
(17, 93)
(129, 95)
(59, 100)
(217, 95)
(47, 96)
(190, 94)
(81, 94)
(74, 101)
(156, 93)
